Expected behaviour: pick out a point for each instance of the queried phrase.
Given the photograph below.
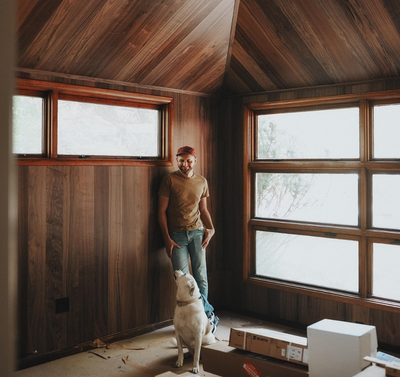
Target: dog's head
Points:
(187, 286)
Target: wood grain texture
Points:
(213, 46)
(282, 44)
(91, 233)
(170, 43)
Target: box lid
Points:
(341, 327)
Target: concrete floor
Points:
(145, 356)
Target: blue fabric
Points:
(190, 243)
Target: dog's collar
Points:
(184, 303)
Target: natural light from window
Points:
(386, 201)
(27, 125)
(91, 129)
(323, 134)
(316, 261)
(386, 276)
(387, 131)
(325, 198)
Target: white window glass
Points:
(387, 131)
(323, 262)
(322, 198)
(386, 201)
(27, 132)
(324, 134)
(386, 276)
(105, 130)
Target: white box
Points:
(337, 348)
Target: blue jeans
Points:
(190, 243)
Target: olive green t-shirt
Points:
(184, 195)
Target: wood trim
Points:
(327, 100)
(95, 81)
(248, 119)
(91, 162)
(316, 165)
(325, 294)
(52, 124)
(362, 267)
(365, 129)
(86, 91)
(107, 101)
(88, 94)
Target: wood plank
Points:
(36, 254)
(81, 288)
(115, 247)
(55, 323)
(23, 262)
(101, 243)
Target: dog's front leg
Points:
(196, 356)
(179, 362)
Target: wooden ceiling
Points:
(210, 46)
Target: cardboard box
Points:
(270, 343)
(393, 369)
(337, 348)
(225, 361)
(372, 371)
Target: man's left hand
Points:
(208, 233)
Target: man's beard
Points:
(184, 170)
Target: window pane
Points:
(386, 277)
(386, 131)
(27, 125)
(106, 130)
(324, 262)
(331, 134)
(386, 201)
(322, 198)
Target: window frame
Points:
(365, 166)
(52, 92)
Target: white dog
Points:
(192, 327)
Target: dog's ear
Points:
(191, 290)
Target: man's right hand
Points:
(169, 246)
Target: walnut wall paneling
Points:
(90, 233)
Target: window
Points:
(321, 197)
(107, 130)
(28, 122)
(62, 124)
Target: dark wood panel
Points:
(56, 324)
(281, 44)
(160, 43)
(101, 247)
(23, 264)
(36, 255)
(90, 233)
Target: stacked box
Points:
(221, 359)
(270, 343)
(338, 348)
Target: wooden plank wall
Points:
(269, 303)
(90, 233)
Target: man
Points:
(185, 222)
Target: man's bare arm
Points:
(162, 219)
(207, 221)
